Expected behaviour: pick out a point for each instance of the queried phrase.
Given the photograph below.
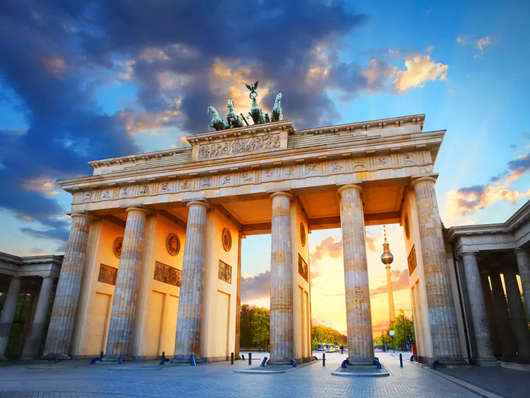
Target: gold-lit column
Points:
(359, 317)
(281, 323)
(523, 265)
(60, 331)
(187, 340)
(442, 315)
(124, 299)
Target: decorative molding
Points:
(360, 167)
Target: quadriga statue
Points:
(217, 123)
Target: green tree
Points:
(402, 327)
(260, 326)
(326, 335)
(254, 327)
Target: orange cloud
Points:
(43, 185)
(419, 70)
(54, 65)
(228, 81)
(467, 200)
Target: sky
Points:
(87, 80)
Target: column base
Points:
(56, 356)
(486, 362)
(360, 362)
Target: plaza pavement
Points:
(79, 379)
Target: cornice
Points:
(141, 156)
(519, 217)
(365, 125)
(362, 147)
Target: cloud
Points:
(483, 42)
(479, 44)
(467, 200)
(255, 287)
(419, 70)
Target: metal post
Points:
(250, 358)
(323, 359)
(400, 360)
(231, 358)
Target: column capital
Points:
(423, 179)
(281, 193)
(80, 214)
(203, 203)
(357, 187)
(467, 253)
(139, 209)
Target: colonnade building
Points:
(153, 261)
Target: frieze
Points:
(420, 160)
(249, 144)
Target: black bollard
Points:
(250, 358)
(231, 358)
(323, 359)
(400, 360)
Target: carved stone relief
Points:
(238, 146)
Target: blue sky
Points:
(87, 80)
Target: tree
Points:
(254, 327)
(402, 327)
(325, 335)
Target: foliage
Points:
(403, 328)
(326, 335)
(254, 327)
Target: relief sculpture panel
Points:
(256, 143)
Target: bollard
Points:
(243, 357)
(400, 360)
(264, 362)
(250, 358)
(323, 359)
(231, 358)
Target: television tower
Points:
(387, 258)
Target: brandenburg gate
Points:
(153, 261)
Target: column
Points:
(523, 265)
(479, 316)
(187, 340)
(490, 311)
(61, 327)
(124, 299)
(359, 319)
(238, 298)
(8, 313)
(442, 316)
(34, 338)
(281, 323)
(501, 317)
(517, 315)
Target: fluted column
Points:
(8, 313)
(442, 315)
(281, 323)
(523, 265)
(517, 315)
(501, 317)
(490, 311)
(187, 340)
(34, 338)
(124, 298)
(479, 316)
(359, 318)
(61, 327)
